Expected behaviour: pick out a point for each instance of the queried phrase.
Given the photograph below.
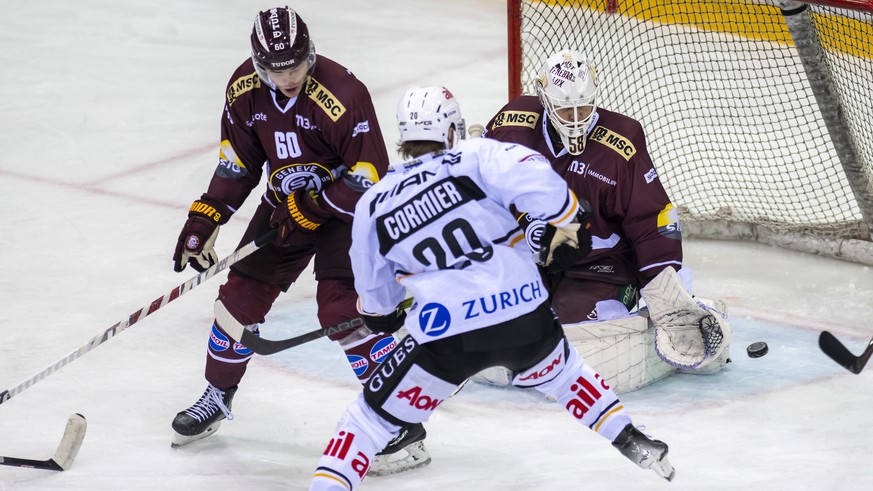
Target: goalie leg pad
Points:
(621, 350)
(499, 376)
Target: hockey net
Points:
(740, 136)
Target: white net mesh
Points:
(732, 124)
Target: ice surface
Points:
(109, 130)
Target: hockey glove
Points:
(533, 231)
(561, 248)
(390, 323)
(195, 245)
(301, 213)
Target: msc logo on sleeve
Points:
(242, 85)
(614, 141)
(516, 118)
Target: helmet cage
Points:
(280, 41)
(567, 81)
(427, 113)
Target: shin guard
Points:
(366, 350)
(580, 390)
(360, 434)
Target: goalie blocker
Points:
(674, 332)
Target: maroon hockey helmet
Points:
(280, 40)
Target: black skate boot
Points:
(403, 453)
(644, 452)
(204, 417)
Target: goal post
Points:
(758, 113)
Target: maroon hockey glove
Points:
(301, 214)
(561, 248)
(386, 323)
(195, 245)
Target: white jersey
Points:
(440, 227)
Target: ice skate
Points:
(403, 453)
(204, 417)
(644, 452)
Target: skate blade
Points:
(182, 440)
(410, 457)
(664, 469)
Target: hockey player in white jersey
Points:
(439, 226)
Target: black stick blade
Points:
(838, 352)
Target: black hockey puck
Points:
(757, 349)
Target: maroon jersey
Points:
(327, 139)
(634, 226)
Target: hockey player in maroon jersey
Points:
(603, 157)
(439, 227)
(307, 126)
(636, 239)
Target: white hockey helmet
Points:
(567, 88)
(427, 113)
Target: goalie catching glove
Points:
(689, 334)
(196, 243)
(301, 213)
(562, 247)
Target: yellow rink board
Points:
(737, 17)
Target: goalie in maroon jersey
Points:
(603, 157)
(307, 126)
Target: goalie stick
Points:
(838, 352)
(263, 346)
(63, 458)
(133, 318)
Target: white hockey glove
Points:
(476, 130)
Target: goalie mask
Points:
(567, 88)
(280, 41)
(427, 113)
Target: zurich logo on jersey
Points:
(381, 349)
(217, 340)
(359, 364)
(434, 319)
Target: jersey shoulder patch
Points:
(613, 140)
(527, 119)
(324, 99)
(241, 86)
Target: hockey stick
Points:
(263, 346)
(133, 318)
(838, 352)
(64, 455)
